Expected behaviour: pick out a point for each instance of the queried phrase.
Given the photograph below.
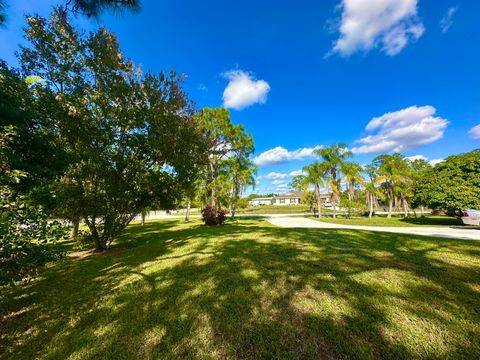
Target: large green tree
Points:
(132, 136)
(453, 184)
(30, 160)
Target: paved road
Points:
(445, 232)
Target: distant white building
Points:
(289, 198)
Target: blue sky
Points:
(383, 75)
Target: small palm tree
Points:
(394, 177)
(334, 156)
(314, 175)
(352, 175)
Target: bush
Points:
(212, 216)
(352, 207)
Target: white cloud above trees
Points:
(280, 155)
(386, 24)
(402, 130)
(243, 90)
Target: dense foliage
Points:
(132, 136)
(452, 185)
(213, 216)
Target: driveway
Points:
(444, 232)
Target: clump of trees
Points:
(392, 181)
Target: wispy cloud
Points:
(447, 20)
(243, 90)
(366, 24)
(402, 130)
(281, 155)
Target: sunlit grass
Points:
(248, 291)
(430, 220)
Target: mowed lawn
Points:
(250, 291)
(430, 220)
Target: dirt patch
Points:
(92, 252)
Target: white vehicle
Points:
(471, 217)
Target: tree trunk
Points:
(213, 200)
(422, 211)
(144, 213)
(76, 225)
(371, 202)
(319, 201)
(187, 214)
(405, 207)
(390, 206)
(233, 209)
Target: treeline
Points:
(391, 181)
(88, 137)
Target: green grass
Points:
(272, 209)
(431, 220)
(251, 291)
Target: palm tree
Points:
(334, 157)
(352, 175)
(394, 178)
(371, 190)
(240, 173)
(313, 176)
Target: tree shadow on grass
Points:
(252, 291)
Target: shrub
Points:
(212, 216)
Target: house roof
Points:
(290, 194)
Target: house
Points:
(289, 198)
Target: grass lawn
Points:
(431, 220)
(248, 291)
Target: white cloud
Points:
(274, 176)
(447, 19)
(297, 173)
(402, 130)
(416, 157)
(366, 24)
(243, 90)
(281, 155)
(475, 132)
(278, 182)
(434, 162)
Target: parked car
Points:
(471, 217)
